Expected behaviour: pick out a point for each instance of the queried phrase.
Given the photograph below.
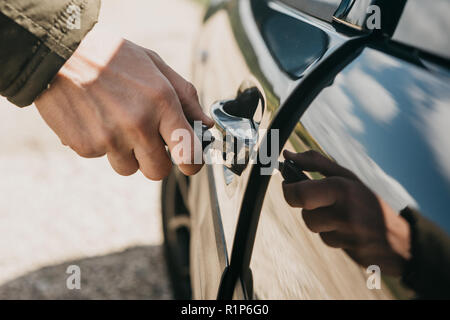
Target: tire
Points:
(176, 230)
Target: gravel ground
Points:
(136, 273)
(57, 209)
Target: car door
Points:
(231, 58)
(271, 48)
(385, 116)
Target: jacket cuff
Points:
(427, 272)
(56, 28)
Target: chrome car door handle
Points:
(239, 131)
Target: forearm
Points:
(36, 39)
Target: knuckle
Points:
(346, 218)
(289, 194)
(313, 155)
(325, 238)
(340, 183)
(140, 123)
(286, 194)
(329, 239)
(299, 196)
(352, 192)
(64, 142)
(294, 195)
(351, 195)
(107, 139)
(162, 94)
(352, 227)
(358, 253)
(307, 218)
(190, 91)
(346, 192)
(154, 55)
(291, 202)
(136, 121)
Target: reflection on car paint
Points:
(389, 122)
(430, 31)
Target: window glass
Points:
(322, 9)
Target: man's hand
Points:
(349, 215)
(116, 98)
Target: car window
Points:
(294, 44)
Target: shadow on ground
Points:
(136, 273)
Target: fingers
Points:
(314, 161)
(154, 162)
(169, 126)
(123, 162)
(185, 90)
(320, 220)
(173, 126)
(179, 136)
(128, 112)
(313, 194)
(337, 239)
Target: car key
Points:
(291, 173)
(200, 136)
(205, 143)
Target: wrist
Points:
(398, 235)
(402, 239)
(92, 56)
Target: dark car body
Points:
(375, 101)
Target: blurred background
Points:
(57, 209)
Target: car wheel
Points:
(175, 223)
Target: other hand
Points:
(348, 215)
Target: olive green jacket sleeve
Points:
(428, 271)
(36, 38)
